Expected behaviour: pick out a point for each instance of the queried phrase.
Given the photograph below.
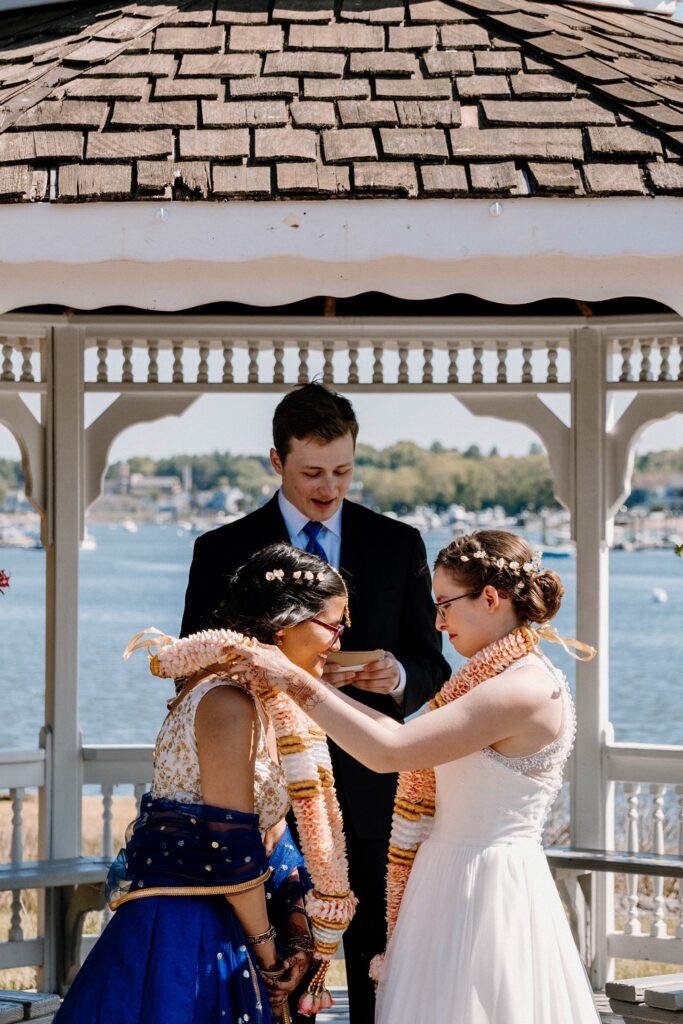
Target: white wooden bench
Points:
(76, 886)
(573, 871)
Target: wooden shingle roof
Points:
(233, 99)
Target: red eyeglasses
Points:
(337, 630)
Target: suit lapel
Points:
(352, 557)
(270, 526)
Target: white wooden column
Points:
(592, 818)
(61, 824)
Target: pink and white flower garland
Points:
(308, 770)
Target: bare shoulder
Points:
(528, 687)
(226, 707)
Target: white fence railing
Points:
(649, 805)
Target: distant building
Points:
(141, 485)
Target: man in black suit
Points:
(384, 564)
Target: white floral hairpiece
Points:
(517, 568)
(279, 575)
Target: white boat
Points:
(88, 543)
(15, 537)
(659, 595)
(129, 525)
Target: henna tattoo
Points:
(304, 690)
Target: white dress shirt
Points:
(330, 540)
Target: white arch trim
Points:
(621, 441)
(167, 256)
(30, 436)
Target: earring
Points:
(278, 639)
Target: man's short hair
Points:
(312, 410)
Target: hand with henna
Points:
(266, 666)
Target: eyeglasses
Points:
(337, 630)
(441, 607)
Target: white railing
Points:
(649, 802)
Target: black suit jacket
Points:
(385, 566)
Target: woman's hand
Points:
(266, 666)
(279, 989)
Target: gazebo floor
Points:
(339, 1014)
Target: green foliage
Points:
(11, 474)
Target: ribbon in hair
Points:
(581, 652)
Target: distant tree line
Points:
(397, 478)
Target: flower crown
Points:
(515, 567)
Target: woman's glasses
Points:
(337, 630)
(442, 606)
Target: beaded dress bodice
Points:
(176, 761)
(488, 799)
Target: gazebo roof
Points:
(299, 98)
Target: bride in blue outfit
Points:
(209, 925)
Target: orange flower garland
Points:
(306, 762)
(414, 804)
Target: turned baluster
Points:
(127, 368)
(502, 371)
(26, 355)
(203, 368)
(228, 376)
(152, 362)
(551, 376)
(645, 363)
(252, 372)
(302, 377)
(353, 363)
(7, 367)
(527, 369)
(328, 365)
(377, 367)
(632, 790)
(177, 346)
(453, 350)
(664, 359)
(478, 367)
(403, 372)
(427, 367)
(680, 358)
(102, 353)
(658, 929)
(16, 931)
(626, 347)
(279, 364)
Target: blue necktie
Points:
(314, 547)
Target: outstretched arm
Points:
(492, 712)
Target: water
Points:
(137, 580)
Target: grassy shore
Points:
(124, 810)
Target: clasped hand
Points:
(381, 676)
(279, 989)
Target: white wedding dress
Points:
(482, 937)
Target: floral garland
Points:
(308, 770)
(414, 804)
(4, 581)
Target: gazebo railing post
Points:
(62, 825)
(592, 817)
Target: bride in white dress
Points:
(481, 936)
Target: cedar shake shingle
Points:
(214, 142)
(189, 40)
(242, 113)
(336, 37)
(313, 178)
(244, 181)
(611, 179)
(424, 97)
(285, 143)
(346, 144)
(444, 179)
(119, 145)
(385, 177)
(313, 114)
(368, 112)
(415, 142)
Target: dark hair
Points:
(536, 593)
(260, 604)
(312, 410)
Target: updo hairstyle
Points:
(278, 587)
(505, 561)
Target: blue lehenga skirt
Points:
(179, 959)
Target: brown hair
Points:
(312, 410)
(498, 558)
